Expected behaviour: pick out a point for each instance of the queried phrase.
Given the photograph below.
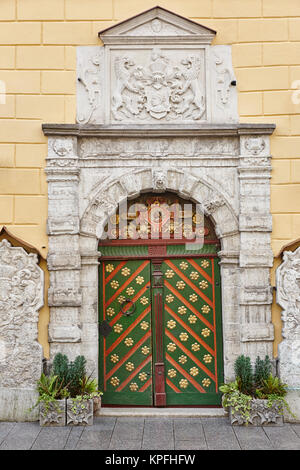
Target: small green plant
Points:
(271, 386)
(239, 402)
(71, 373)
(244, 374)
(50, 389)
(262, 371)
(89, 387)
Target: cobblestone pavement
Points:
(150, 433)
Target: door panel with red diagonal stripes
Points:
(125, 333)
(192, 328)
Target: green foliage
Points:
(262, 370)
(271, 386)
(244, 374)
(89, 387)
(239, 402)
(50, 388)
(71, 373)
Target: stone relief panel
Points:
(21, 297)
(90, 78)
(158, 84)
(288, 297)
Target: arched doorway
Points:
(160, 306)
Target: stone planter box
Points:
(97, 406)
(80, 413)
(260, 415)
(55, 415)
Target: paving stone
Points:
(5, 428)
(93, 440)
(188, 429)
(296, 429)
(219, 434)
(74, 437)
(104, 423)
(130, 444)
(132, 428)
(158, 434)
(283, 437)
(190, 445)
(251, 438)
(52, 438)
(21, 436)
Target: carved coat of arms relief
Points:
(161, 89)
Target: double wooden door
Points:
(160, 332)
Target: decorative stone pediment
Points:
(156, 68)
(157, 25)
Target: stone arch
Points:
(130, 185)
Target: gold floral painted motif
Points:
(184, 336)
(144, 325)
(194, 275)
(206, 382)
(114, 284)
(133, 386)
(180, 285)
(182, 359)
(121, 299)
(183, 383)
(183, 265)
(195, 347)
(207, 358)
(192, 319)
(171, 324)
(114, 358)
(205, 332)
(194, 371)
(169, 273)
(129, 291)
(110, 311)
(125, 271)
(172, 373)
(145, 350)
(205, 309)
(144, 300)
(109, 268)
(129, 366)
(204, 263)
(118, 328)
(193, 298)
(143, 376)
(139, 280)
(128, 342)
(181, 310)
(169, 298)
(203, 285)
(171, 347)
(114, 381)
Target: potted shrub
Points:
(255, 398)
(83, 390)
(52, 401)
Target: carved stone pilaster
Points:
(288, 297)
(21, 297)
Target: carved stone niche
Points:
(157, 68)
(21, 297)
(288, 297)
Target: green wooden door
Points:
(193, 332)
(125, 340)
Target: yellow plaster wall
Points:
(38, 40)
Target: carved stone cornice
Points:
(157, 131)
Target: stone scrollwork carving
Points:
(161, 89)
(21, 296)
(225, 78)
(288, 297)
